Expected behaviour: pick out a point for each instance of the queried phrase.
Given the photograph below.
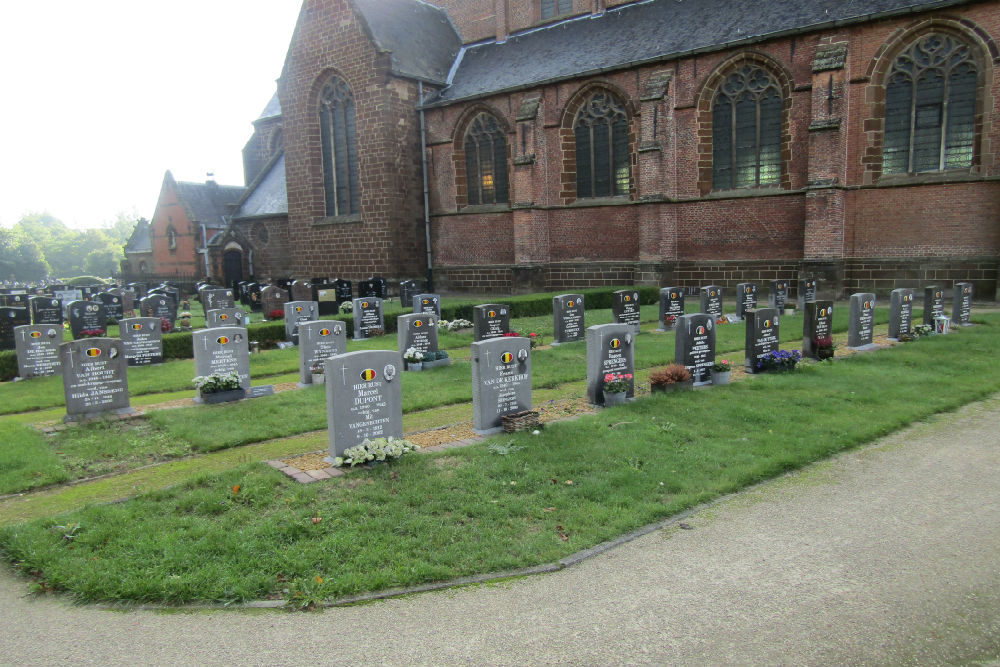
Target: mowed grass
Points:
(508, 502)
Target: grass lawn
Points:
(511, 501)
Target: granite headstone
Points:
(363, 398)
(900, 312)
(610, 349)
(861, 326)
(625, 309)
(225, 317)
(567, 318)
(368, 318)
(95, 378)
(961, 313)
(671, 307)
(694, 345)
(142, 339)
(746, 299)
(501, 381)
(427, 303)
(762, 336)
(490, 320)
(299, 311)
(222, 350)
(933, 304)
(417, 330)
(37, 348)
(817, 325)
(711, 301)
(777, 294)
(87, 319)
(318, 341)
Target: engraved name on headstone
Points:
(368, 318)
(777, 294)
(225, 317)
(299, 311)
(159, 306)
(112, 302)
(900, 312)
(37, 348)
(610, 349)
(318, 341)
(490, 320)
(861, 327)
(212, 299)
(95, 378)
(807, 292)
(363, 398)
(142, 339)
(694, 346)
(87, 319)
(567, 318)
(671, 307)
(46, 310)
(501, 381)
(417, 330)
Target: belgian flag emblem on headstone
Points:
(364, 304)
(418, 323)
(628, 297)
(767, 323)
(616, 343)
(868, 304)
(822, 312)
(222, 340)
(298, 309)
(36, 334)
(570, 304)
(368, 374)
(93, 352)
(324, 332)
(506, 357)
(700, 331)
(491, 313)
(223, 316)
(136, 326)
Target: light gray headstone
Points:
(87, 316)
(368, 318)
(933, 304)
(861, 328)
(567, 318)
(427, 303)
(762, 336)
(490, 320)
(625, 309)
(226, 317)
(746, 299)
(37, 348)
(807, 292)
(95, 378)
(363, 398)
(961, 313)
(319, 340)
(711, 301)
(222, 350)
(671, 307)
(501, 381)
(610, 349)
(417, 330)
(900, 312)
(299, 311)
(142, 339)
(694, 345)
(817, 323)
(213, 299)
(777, 294)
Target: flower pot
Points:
(318, 378)
(789, 312)
(721, 377)
(415, 365)
(224, 396)
(824, 353)
(614, 398)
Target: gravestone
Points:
(567, 318)
(298, 311)
(46, 310)
(318, 341)
(95, 378)
(807, 292)
(427, 303)
(66, 297)
(694, 345)
(746, 299)
(817, 324)
(283, 283)
(711, 301)
(272, 302)
(407, 290)
(961, 312)
(161, 307)
(301, 290)
(19, 300)
(380, 286)
(138, 289)
(87, 319)
(900, 312)
(761, 336)
(610, 349)
(142, 339)
(253, 297)
(37, 348)
(777, 294)
(363, 398)
(128, 303)
(671, 307)
(113, 308)
(625, 309)
(368, 321)
(501, 381)
(225, 317)
(861, 328)
(222, 350)
(213, 299)
(417, 330)
(366, 288)
(933, 304)
(490, 320)
(326, 297)
(343, 290)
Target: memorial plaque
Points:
(87, 319)
(161, 307)
(113, 308)
(746, 299)
(37, 348)
(817, 324)
(610, 349)
(299, 311)
(344, 290)
(9, 319)
(711, 301)
(490, 320)
(671, 307)
(326, 297)
(761, 336)
(95, 378)
(501, 381)
(961, 313)
(142, 339)
(900, 312)
(807, 292)
(777, 294)
(128, 302)
(368, 319)
(417, 330)
(933, 304)
(273, 300)
(222, 350)
(427, 303)
(363, 398)
(861, 328)
(625, 309)
(318, 341)
(694, 345)
(213, 299)
(567, 318)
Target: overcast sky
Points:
(101, 97)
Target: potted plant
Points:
(616, 387)
(317, 371)
(414, 359)
(721, 371)
(789, 308)
(276, 314)
(824, 347)
(91, 333)
(347, 307)
(670, 378)
(219, 387)
(779, 361)
(669, 321)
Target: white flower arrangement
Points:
(377, 449)
(347, 307)
(413, 355)
(216, 382)
(454, 325)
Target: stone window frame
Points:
(567, 135)
(984, 53)
(553, 9)
(462, 128)
(171, 235)
(705, 105)
(335, 88)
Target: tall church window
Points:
(486, 161)
(553, 8)
(746, 130)
(930, 107)
(339, 144)
(602, 152)
(171, 238)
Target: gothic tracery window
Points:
(930, 107)
(486, 161)
(602, 150)
(746, 130)
(339, 144)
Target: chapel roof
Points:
(139, 241)
(208, 203)
(268, 194)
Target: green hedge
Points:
(8, 365)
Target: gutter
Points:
(427, 208)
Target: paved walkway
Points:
(886, 555)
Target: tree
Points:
(21, 258)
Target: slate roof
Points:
(208, 203)
(649, 31)
(272, 109)
(421, 39)
(140, 240)
(267, 195)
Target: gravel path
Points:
(886, 555)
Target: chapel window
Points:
(746, 130)
(930, 107)
(554, 8)
(171, 238)
(486, 161)
(339, 145)
(602, 151)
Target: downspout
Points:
(204, 249)
(250, 261)
(427, 206)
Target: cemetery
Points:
(292, 466)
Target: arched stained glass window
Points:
(930, 107)
(340, 153)
(486, 161)
(746, 130)
(602, 151)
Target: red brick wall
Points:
(184, 260)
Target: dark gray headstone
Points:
(407, 290)
(159, 306)
(142, 339)
(861, 328)
(138, 289)
(319, 340)
(610, 349)
(746, 299)
(366, 288)
(95, 378)
(427, 303)
(112, 302)
(417, 330)
(933, 304)
(368, 319)
(671, 307)
(300, 290)
(490, 320)
(817, 324)
(326, 297)
(777, 294)
(37, 348)
(961, 313)
(253, 292)
(222, 350)
(900, 312)
(363, 398)
(225, 317)
(344, 290)
(380, 286)
(807, 292)
(625, 309)
(567, 318)
(213, 299)
(128, 302)
(19, 300)
(299, 311)
(272, 301)
(87, 319)
(694, 345)
(10, 318)
(501, 381)
(711, 301)
(761, 336)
